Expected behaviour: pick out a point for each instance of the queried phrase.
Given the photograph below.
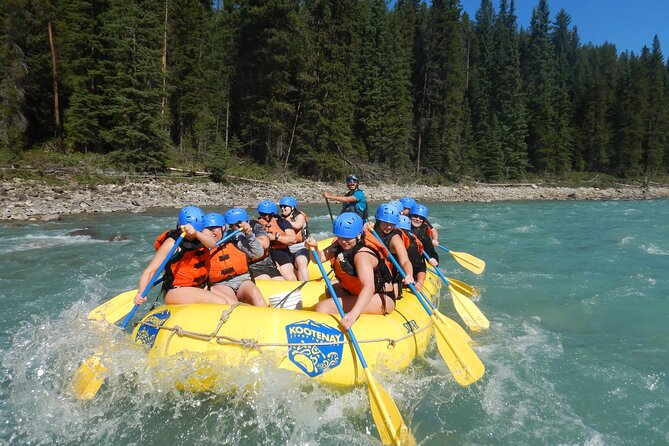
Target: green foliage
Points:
(260, 87)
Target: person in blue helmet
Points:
(229, 271)
(425, 232)
(362, 269)
(415, 252)
(407, 204)
(261, 267)
(387, 216)
(354, 200)
(187, 272)
(300, 223)
(281, 235)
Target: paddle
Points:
(329, 210)
(460, 359)
(464, 288)
(473, 264)
(385, 413)
(467, 309)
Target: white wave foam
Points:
(655, 250)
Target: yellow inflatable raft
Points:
(296, 339)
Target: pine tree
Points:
(656, 125)
(130, 120)
(541, 93)
(13, 68)
(508, 101)
(325, 134)
(446, 88)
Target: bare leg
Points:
(248, 292)
(226, 292)
(375, 306)
(192, 295)
(286, 271)
(301, 263)
(420, 279)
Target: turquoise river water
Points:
(577, 352)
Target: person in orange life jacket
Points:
(354, 200)
(229, 271)
(387, 216)
(415, 252)
(421, 227)
(281, 234)
(186, 273)
(261, 267)
(299, 222)
(362, 270)
(407, 204)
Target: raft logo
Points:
(147, 332)
(314, 347)
(411, 326)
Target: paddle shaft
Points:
(153, 279)
(329, 210)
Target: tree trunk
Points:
(54, 74)
(163, 99)
(292, 134)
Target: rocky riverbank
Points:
(30, 200)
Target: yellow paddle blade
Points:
(88, 378)
(473, 264)
(469, 312)
(115, 308)
(464, 288)
(460, 359)
(386, 415)
(454, 328)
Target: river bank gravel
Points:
(30, 200)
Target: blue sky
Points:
(628, 24)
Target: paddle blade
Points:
(464, 288)
(88, 378)
(386, 415)
(115, 308)
(469, 312)
(473, 264)
(454, 328)
(460, 359)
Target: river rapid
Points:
(576, 353)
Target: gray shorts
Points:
(265, 266)
(234, 282)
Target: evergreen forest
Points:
(320, 86)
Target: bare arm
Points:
(151, 269)
(340, 198)
(364, 268)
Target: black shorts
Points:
(281, 256)
(265, 266)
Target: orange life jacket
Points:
(273, 227)
(227, 261)
(344, 269)
(415, 251)
(189, 266)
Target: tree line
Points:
(318, 85)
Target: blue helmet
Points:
(347, 225)
(235, 215)
(214, 220)
(407, 202)
(398, 204)
(388, 212)
(268, 207)
(352, 178)
(288, 201)
(192, 215)
(404, 223)
(418, 209)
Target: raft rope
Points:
(253, 344)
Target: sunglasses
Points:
(263, 214)
(417, 217)
(284, 206)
